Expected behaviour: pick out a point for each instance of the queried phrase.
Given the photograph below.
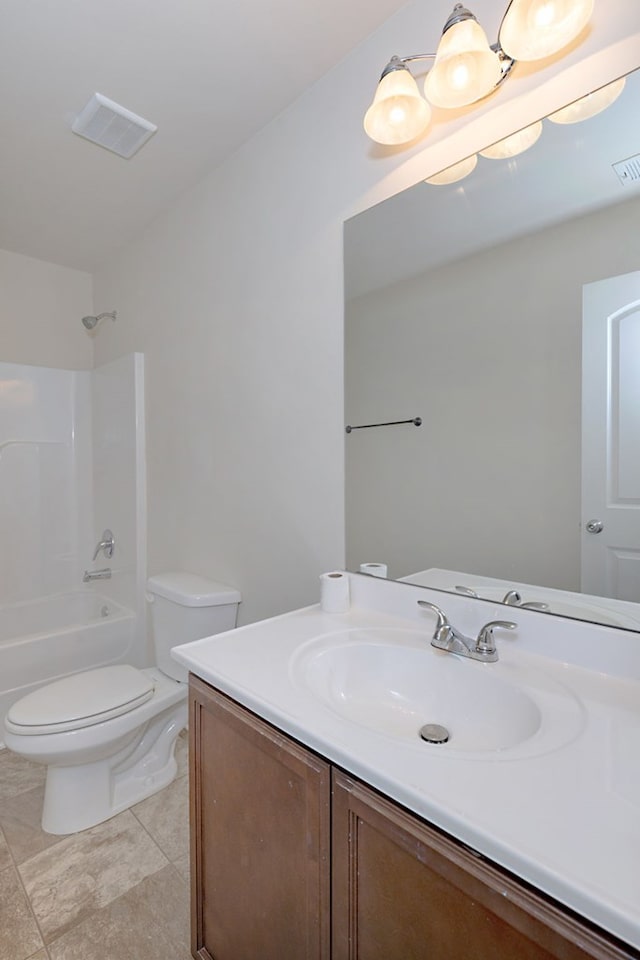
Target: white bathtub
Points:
(42, 640)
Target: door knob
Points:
(595, 526)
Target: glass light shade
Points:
(534, 29)
(515, 144)
(398, 113)
(589, 106)
(466, 68)
(457, 171)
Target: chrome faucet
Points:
(106, 545)
(513, 599)
(468, 592)
(104, 574)
(449, 639)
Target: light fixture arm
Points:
(507, 64)
(400, 63)
(459, 14)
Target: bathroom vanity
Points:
(322, 827)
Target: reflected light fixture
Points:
(466, 67)
(517, 143)
(457, 171)
(589, 106)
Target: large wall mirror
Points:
(464, 307)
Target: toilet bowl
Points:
(108, 735)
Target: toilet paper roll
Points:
(374, 569)
(334, 592)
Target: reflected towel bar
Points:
(416, 421)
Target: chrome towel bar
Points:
(416, 421)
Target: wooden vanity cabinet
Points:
(403, 890)
(293, 860)
(260, 837)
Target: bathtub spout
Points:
(104, 574)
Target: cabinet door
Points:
(403, 891)
(260, 837)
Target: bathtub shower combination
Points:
(71, 466)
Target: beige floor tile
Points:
(20, 819)
(18, 774)
(87, 871)
(183, 866)
(19, 937)
(150, 920)
(40, 955)
(5, 855)
(165, 816)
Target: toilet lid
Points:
(82, 699)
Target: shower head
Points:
(92, 322)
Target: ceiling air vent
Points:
(628, 170)
(111, 126)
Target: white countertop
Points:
(566, 820)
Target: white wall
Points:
(235, 298)
(41, 308)
(488, 351)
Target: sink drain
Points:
(434, 733)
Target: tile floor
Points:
(118, 891)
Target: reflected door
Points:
(611, 437)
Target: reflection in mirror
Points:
(465, 308)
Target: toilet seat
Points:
(81, 700)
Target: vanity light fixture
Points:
(467, 68)
(535, 29)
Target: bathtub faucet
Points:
(106, 545)
(104, 574)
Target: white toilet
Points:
(108, 735)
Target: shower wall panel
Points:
(45, 481)
(119, 494)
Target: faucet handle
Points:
(512, 598)
(106, 545)
(467, 591)
(442, 619)
(486, 644)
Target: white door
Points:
(611, 437)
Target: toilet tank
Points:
(185, 607)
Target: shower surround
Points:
(71, 464)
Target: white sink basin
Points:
(393, 682)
